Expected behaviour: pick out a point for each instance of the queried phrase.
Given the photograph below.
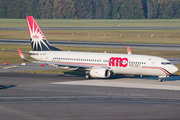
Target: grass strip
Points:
(127, 36)
(92, 22)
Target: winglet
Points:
(21, 55)
(128, 50)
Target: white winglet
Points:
(128, 50)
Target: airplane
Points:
(95, 65)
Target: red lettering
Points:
(125, 61)
(35, 36)
(120, 62)
(111, 61)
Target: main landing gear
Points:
(87, 76)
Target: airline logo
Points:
(118, 62)
(37, 38)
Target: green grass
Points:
(133, 36)
(13, 57)
(128, 36)
(92, 22)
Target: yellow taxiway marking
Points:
(10, 67)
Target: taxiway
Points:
(99, 44)
(70, 97)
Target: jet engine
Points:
(100, 73)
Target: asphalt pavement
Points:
(71, 97)
(99, 44)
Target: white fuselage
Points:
(117, 63)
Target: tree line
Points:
(91, 9)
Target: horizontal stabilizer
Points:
(21, 51)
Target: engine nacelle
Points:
(100, 73)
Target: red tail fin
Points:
(34, 30)
(38, 40)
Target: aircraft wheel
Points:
(160, 80)
(87, 76)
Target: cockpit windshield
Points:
(166, 63)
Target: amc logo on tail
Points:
(118, 62)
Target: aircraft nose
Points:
(173, 69)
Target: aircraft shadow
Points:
(7, 87)
(82, 74)
(172, 78)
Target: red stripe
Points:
(80, 64)
(156, 68)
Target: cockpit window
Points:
(165, 63)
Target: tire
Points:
(160, 80)
(87, 76)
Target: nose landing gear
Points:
(160, 79)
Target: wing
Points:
(69, 66)
(21, 51)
